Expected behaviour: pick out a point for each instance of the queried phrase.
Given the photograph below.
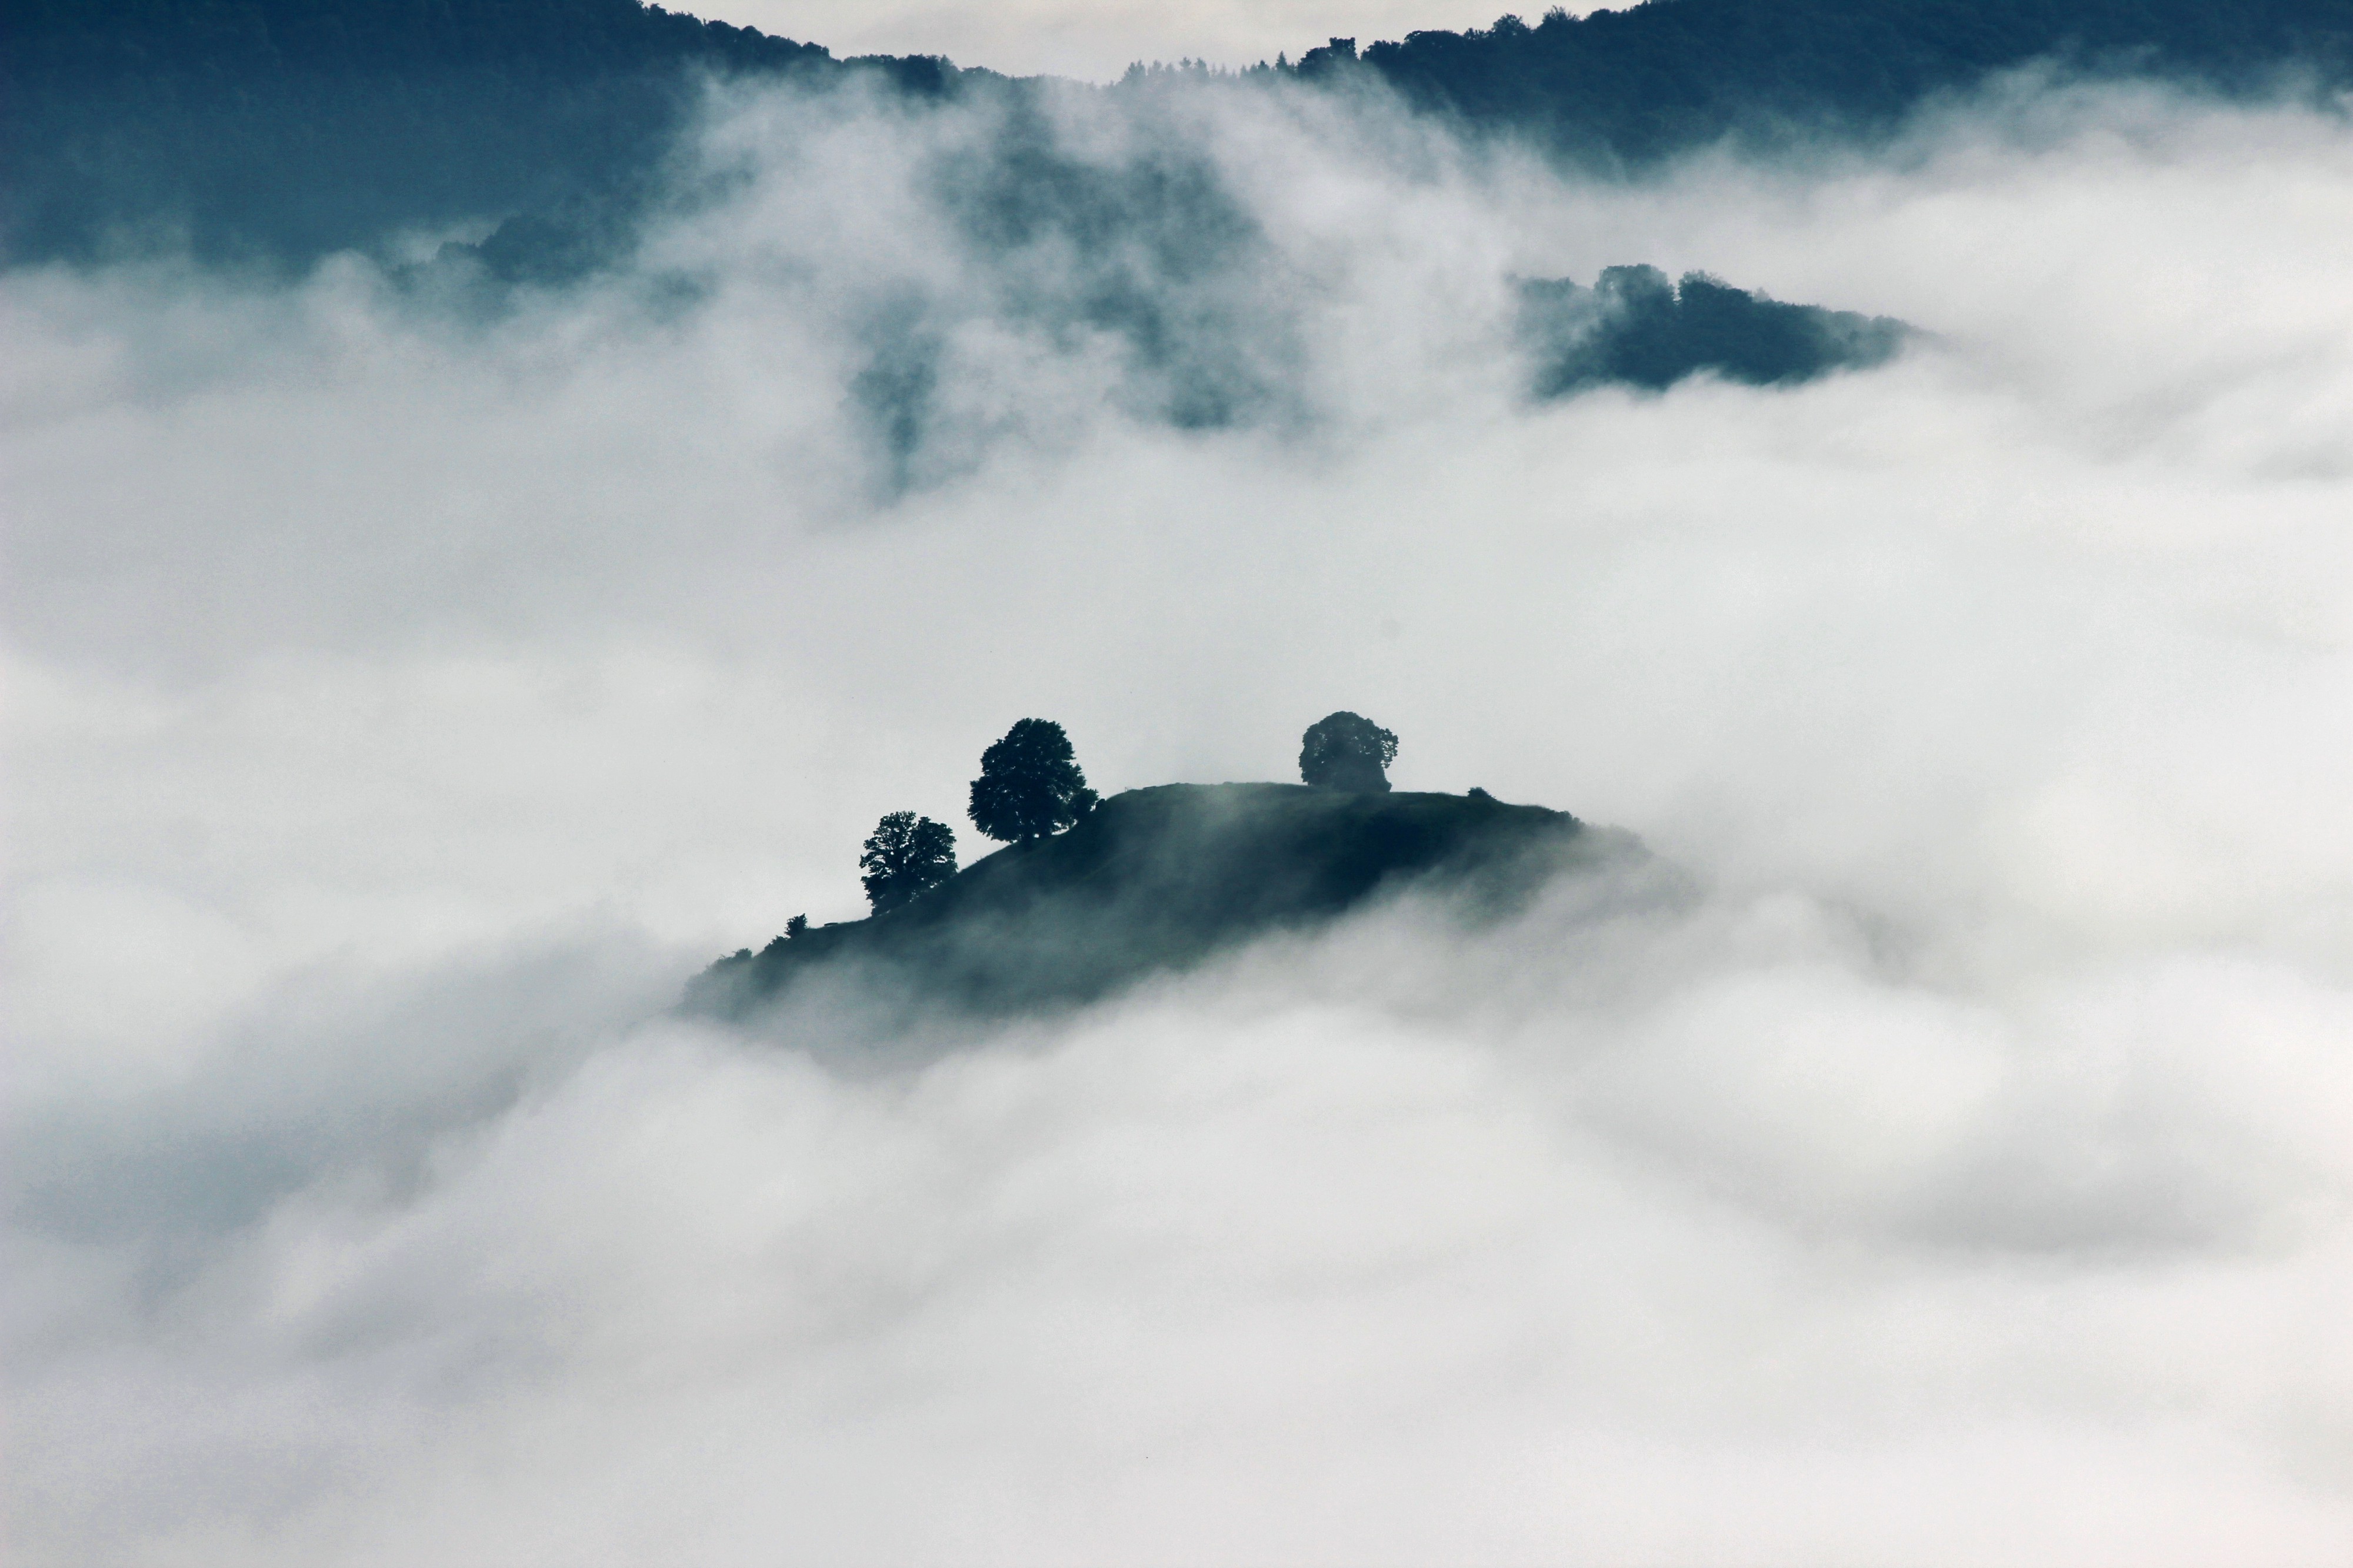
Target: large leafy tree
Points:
(1346, 751)
(1030, 784)
(907, 857)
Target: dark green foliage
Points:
(1136, 243)
(1633, 326)
(1330, 60)
(797, 926)
(907, 857)
(1156, 879)
(1627, 86)
(1345, 750)
(279, 129)
(1030, 784)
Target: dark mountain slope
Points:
(281, 130)
(1634, 85)
(286, 129)
(1158, 880)
(1633, 327)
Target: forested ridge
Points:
(290, 128)
(1642, 82)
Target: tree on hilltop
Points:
(907, 857)
(1030, 784)
(1346, 751)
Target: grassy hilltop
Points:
(1158, 879)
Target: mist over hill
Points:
(1157, 881)
(484, 146)
(1637, 83)
(447, 602)
(274, 131)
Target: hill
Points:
(1635, 328)
(1630, 86)
(1159, 879)
(279, 130)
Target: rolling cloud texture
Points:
(415, 677)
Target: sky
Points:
(409, 688)
(1094, 41)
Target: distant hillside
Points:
(280, 130)
(1637, 329)
(1632, 85)
(1158, 880)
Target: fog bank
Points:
(410, 685)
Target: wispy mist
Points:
(413, 680)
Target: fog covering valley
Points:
(414, 678)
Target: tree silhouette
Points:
(1346, 751)
(907, 857)
(1030, 784)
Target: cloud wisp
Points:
(406, 696)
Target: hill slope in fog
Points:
(282, 129)
(287, 128)
(1158, 879)
(1646, 81)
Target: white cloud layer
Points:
(403, 701)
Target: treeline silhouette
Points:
(1634, 85)
(1635, 328)
(286, 129)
